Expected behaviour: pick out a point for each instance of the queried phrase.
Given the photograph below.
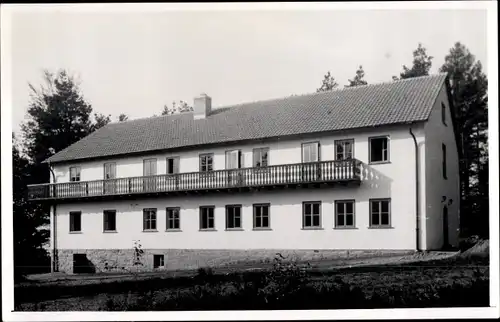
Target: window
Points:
(310, 152)
(380, 213)
(75, 221)
(158, 261)
(109, 171)
(207, 220)
(344, 149)
(443, 147)
(260, 157)
(233, 217)
(379, 149)
(261, 216)
(344, 214)
(74, 174)
(311, 214)
(109, 220)
(173, 165)
(443, 113)
(233, 159)
(206, 162)
(149, 216)
(149, 167)
(173, 219)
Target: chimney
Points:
(202, 106)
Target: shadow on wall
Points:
(372, 179)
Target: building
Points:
(366, 168)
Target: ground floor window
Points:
(344, 214)
(75, 221)
(261, 216)
(207, 220)
(380, 213)
(149, 216)
(311, 214)
(109, 220)
(173, 218)
(233, 217)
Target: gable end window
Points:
(379, 149)
(443, 147)
(344, 149)
(109, 220)
(75, 221)
(149, 219)
(74, 174)
(443, 113)
(380, 213)
(311, 214)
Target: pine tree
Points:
(328, 83)
(422, 64)
(358, 79)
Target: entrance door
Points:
(445, 227)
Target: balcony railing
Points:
(276, 175)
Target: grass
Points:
(452, 282)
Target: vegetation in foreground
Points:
(461, 281)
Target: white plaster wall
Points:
(395, 180)
(436, 186)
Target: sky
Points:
(135, 62)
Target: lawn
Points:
(457, 281)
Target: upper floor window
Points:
(173, 218)
(109, 170)
(260, 157)
(443, 147)
(149, 167)
(74, 174)
(380, 213)
(109, 220)
(149, 219)
(75, 221)
(379, 149)
(172, 165)
(311, 214)
(344, 149)
(310, 152)
(233, 159)
(443, 113)
(206, 162)
(233, 217)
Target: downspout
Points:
(54, 267)
(417, 194)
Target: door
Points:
(445, 227)
(109, 178)
(310, 159)
(80, 263)
(233, 163)
(149, 174)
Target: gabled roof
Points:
(397, 102)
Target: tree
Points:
(469, 92)
(58, 116)
(422, 64)
(180, 107)
(122, 118)
(358, 79)
(328, 83)
(29, 254)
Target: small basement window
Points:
(158, 261)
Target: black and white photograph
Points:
(249, 161)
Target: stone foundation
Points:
(122, 260)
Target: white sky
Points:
(134, 63)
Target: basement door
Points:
(445, 227)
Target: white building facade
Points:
(393, 187)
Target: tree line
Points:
(59, 115)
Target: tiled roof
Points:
(403, 101)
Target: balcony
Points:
(245, 179)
